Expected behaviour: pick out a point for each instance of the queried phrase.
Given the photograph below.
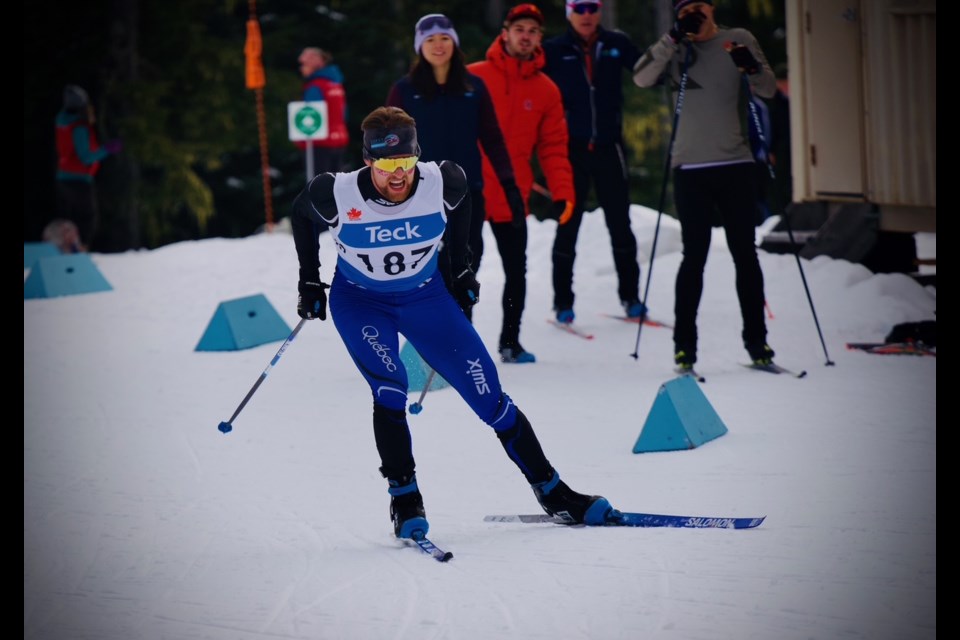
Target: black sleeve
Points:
(455, 255)
(491, 138)
(314, 204)
(629, 52)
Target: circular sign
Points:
(308, 121)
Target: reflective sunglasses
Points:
(525, 11)
(389, 165)
(586, 7)
(442, 22)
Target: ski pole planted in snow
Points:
(663, 192)
(227, 427)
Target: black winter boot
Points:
(562, 502)
(406, 508)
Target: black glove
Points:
(466, 289)
(742, 58)
(312, 301)
(688, 25)
(518, 210)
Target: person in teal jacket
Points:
(78, 161)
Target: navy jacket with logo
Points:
(594, 106)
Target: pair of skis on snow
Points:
(573, 329)
(769, 368)
(615, 519)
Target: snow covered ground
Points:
(143, 521)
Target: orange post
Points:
(256, 79)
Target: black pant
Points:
(512, 245)
(701, 195)
(77, 202)
(607, 168)
(478, 213)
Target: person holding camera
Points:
(712, 163)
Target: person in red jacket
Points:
(78, 160)
(323, 80)
(529, 108)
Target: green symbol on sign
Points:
(308, 121)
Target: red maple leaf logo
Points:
(354, 214)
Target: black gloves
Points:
(312, 301)
(688, 25)
(518, 209)
(742, 57)
(466, 289)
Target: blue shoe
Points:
(565, 316)
(516, 354)
(634, 308)
(406, 509)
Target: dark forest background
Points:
(167, 78)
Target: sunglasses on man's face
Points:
(586, 7)
(389, 165)
(442, 22)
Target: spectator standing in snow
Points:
(323, 80)
(455, 118)
(714, 171)
(587, 63)
(78, 161)
(780, 193)
(530, 111)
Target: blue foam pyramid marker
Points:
(681, 418)
(33, 251)
(64, 275)
(242, 324)
(418, 371)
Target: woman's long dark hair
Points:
(458, 80)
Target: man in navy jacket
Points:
(586, 64)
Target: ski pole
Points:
(663, 193)
(786, 219)
(227, 427)
(417, 406)
(803, 278)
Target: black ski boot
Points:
(562, 502)
(406, 508)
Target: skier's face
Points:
(394, 180)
